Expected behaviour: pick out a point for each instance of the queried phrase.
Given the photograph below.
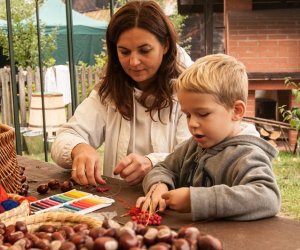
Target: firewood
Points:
(273, 143)
(274, 135)
(268, 128)
(263, 132)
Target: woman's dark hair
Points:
(116, 86)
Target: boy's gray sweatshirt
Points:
(232, 180)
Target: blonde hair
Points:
(220, 75)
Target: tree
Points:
(293, 115)
(25, 36)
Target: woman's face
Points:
(140, 54)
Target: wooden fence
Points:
(28, 82)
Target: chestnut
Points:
(23, 178)
(23, 192)
(47, 228)
(9, 230)
(22, 243)
(141, 229)
(43, 235)
(111, 232)
(160, 246)
(88, 244)
(55, 245)
(33, 238)
(15, 236)
(81, 227)
(127, 240)
(209, 242)
(105, 243)
(53, 184)
(69, 231)
(58, 236)
(42, 188)
(107, 223)
(165, 235)
(78, 238)
(43, 244)
(180, 244)
(67, 245)
(21, 226)
(150, 236)
(190, 234)
(66, 186)
(2, 225)
(97, 232)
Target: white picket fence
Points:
(28, 82)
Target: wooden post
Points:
(22, 76)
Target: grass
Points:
(287, 170)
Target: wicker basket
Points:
(18, 212)
(10, 174)
(57, 219)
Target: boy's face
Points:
(208, 121)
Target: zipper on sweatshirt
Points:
(194, 167)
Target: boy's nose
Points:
(193, 122)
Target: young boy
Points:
(225, 169)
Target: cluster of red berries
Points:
(144, 217)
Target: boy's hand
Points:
(178, 199)
(153, 199)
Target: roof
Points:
(53, 13)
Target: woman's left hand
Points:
(133, 168)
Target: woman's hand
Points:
(153, 200)
(178, 199)
(133, 168)
(86, 168)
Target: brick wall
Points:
(265, 40)
(250, 111)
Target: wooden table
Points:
(275, 233)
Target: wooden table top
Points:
(275, 233)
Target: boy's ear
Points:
(239, 109)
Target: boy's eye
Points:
(203, 114)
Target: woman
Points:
(134, 110)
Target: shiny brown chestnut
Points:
(42, 189)
(21, 226)
(180, 244)
(97, 232)
(209, 242)
(15, 236)
(105, 243)
(150, 236)
(67, 245)
(47, 228)
(127, 240)
(53, 184)
(66, 186)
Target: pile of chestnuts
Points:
(54, 184)
(111, 236)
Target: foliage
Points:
(287, 171)
(293, 115)
(25, 40)
(20, 9)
